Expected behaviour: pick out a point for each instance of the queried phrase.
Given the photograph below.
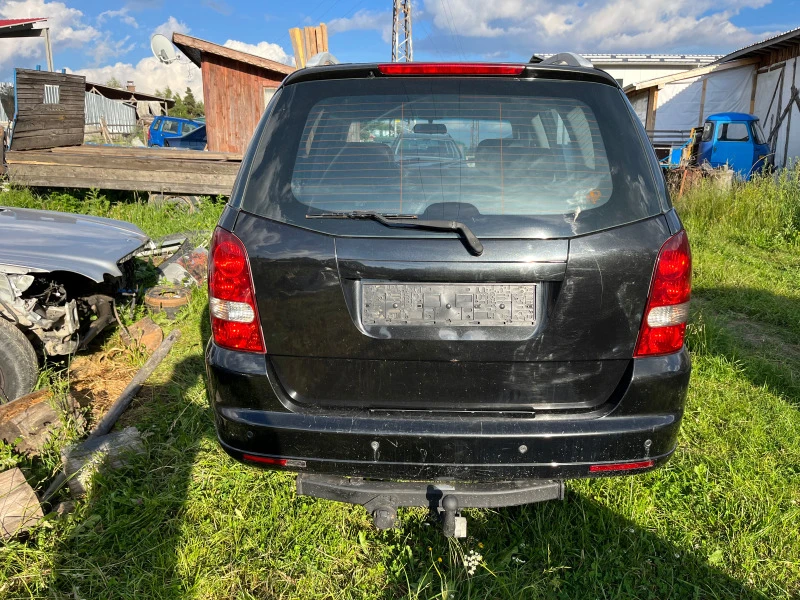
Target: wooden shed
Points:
(236, 89)
(50, 110)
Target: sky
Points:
(102, 40)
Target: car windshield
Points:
(562, 155)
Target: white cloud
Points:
(171, 26)
(525, 26)
(262, 49)
(67, 29)
(149, 75)
(364, 20)
(122, 14)
(106, 48)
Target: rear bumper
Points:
(642, 425)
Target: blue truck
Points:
(730, 138)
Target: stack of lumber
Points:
(165, 171)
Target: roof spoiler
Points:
(565, 59)
(322, 59)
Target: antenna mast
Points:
(401, 31)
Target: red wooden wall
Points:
(233, 93)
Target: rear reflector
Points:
(621, 466)
(664, 325)
(281, 462)
(234, 316)
(278, 462)
(420, 68)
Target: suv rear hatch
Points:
(553, 178)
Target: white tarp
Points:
(726, 91)
(729, 91)
(678, 107)
(769, 101)
(772, 97)
(3, 117)
(793, 127)
(147, 108)
(640, 103)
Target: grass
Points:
(718, 521)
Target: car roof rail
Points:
(568, 59)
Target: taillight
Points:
(421, 68)
(231, 299)
(664, 324)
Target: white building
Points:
(630, 69)
(761, 79)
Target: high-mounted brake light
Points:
(421, 68)
(231, 300)
(664, 324)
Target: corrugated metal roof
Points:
(765, 46)
(649, 59)
(16, 22)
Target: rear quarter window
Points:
(509, 158)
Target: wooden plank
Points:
(703, 100)
(29, 419)
(179, 167)
(160, 153)
(19, 505)
(324, 31)
(690, 74)
(106, 451)
(46, 141)
(753, 93)
(165, 187)
(63, 128)
(83, 172)
(309, 40)
(650, 121)
(298, 47)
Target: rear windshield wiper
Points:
(472, 243)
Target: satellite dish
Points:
(163, 49)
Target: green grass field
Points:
(720, 520)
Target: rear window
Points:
(508, 158)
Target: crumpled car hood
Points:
(44, 241)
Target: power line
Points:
(451, 25)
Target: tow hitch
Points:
(445, 500)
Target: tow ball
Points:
(381, 499)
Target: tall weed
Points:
(764, 212)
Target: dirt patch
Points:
(756, 335)
(96, 380)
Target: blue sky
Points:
(103, 40)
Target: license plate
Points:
(451, 304)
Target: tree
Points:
(114, 83)
(190, 103)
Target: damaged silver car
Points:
(59, 276)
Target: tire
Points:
(19, 368)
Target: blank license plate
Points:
(450, 304)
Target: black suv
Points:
(449, 333)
